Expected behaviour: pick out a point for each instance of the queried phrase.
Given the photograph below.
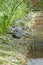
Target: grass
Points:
(9, 11)
(11, 54)
(3, 60)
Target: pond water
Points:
(38, 61)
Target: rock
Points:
(28, 16)
(38, 23)
(17, 32)
(36, 40)
(18, 23)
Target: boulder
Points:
(38, 22)
(17, 32)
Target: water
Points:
(38, 61)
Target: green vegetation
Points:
(16, 9)
(9, 11)
(16, 32)
(38, 6)
(12, 54)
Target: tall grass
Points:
(9, 11)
